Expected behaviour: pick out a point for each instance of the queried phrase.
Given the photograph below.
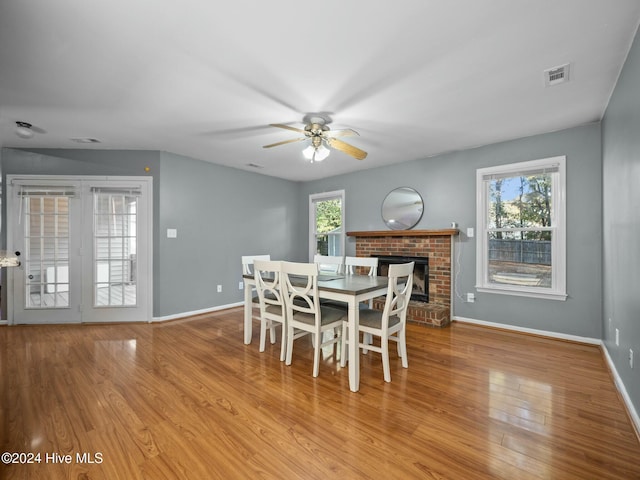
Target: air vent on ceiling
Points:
(556, 75)
(85, 140)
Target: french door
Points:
(85, 249)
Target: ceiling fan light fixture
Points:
(308, 152)
(322, 152)
(316, 154)
(23, 130)
(320, 135)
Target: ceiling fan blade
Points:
(287, 127)
(347, 132)
(284, 142)
(346, 148)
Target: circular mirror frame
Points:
(402, 208)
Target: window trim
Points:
(558, 290)
(315, 197)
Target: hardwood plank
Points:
(187, 399)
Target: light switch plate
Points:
(470, 232)
(172, 233)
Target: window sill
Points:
(524, 293)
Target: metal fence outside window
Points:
(536, 252)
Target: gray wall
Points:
(220, 214)
(621, 219)
(447, 184)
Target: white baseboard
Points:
(623, 391)
(196, 312)
(178, 316)
(574, 338)
(543, 333)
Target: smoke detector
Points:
(23, 130)
(556, 75)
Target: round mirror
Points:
(402, 208)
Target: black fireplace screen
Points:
(420, 290)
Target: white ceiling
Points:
(204, 78)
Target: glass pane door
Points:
(46, 222)
(117, 259)
(85, 249)
(115, 247)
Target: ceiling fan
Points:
(318, 131)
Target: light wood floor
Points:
(187, 400)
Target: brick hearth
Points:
(435, 244)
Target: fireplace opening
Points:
(420, 290)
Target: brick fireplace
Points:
(436, 245)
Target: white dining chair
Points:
(305, 315)
(268, 276)
(366, 262)
(352, 263)
(247, 269)
(330, 264)
(248, 260)
(388, 324)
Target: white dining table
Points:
(350, 289)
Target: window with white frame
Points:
(326, 221)
(521, 246)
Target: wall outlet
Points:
(241, 285)
(617, 337)
(219, 288)
(471, 298)
(631, 358)
(470, 232)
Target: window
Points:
(115, 242)
(45, 216)
(326, 220)
(521, 229)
